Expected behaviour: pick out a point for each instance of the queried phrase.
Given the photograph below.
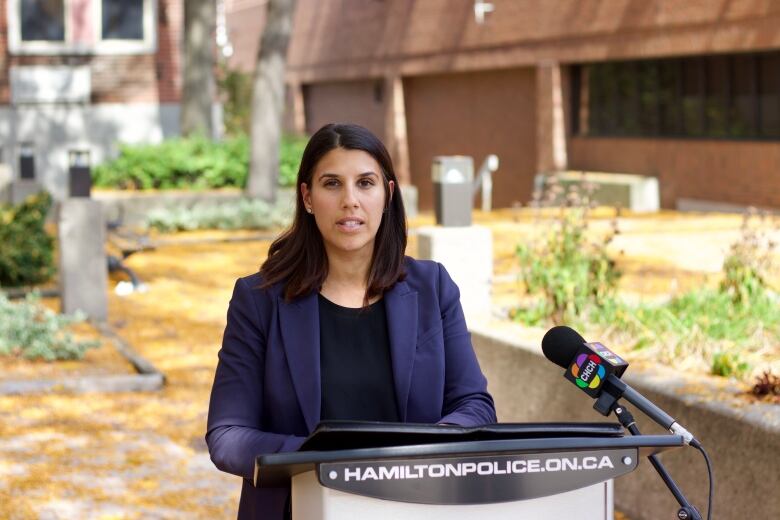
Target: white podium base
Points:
(311, 501)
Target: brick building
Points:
(85, 75)
(688, 92)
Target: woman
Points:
(338, 323)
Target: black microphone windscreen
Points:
(560, 344)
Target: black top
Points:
(355, 366)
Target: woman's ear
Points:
(390, 190)
(306, 196)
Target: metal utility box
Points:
(27, 161)
(453, 176)
(79, 173)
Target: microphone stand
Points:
(686, 511)
(607, 403)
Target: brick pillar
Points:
(550, 120)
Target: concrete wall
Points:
(56, 128)
(741, 439)
(474, 114)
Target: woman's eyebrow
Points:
(327, 175)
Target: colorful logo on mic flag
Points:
(588, 371)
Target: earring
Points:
(309, 210)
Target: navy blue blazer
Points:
(266, 394)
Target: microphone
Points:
(596, 370)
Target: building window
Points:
(51, 27)
(42, 20)
(123, 19)
(720, 96)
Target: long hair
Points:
(297, 257)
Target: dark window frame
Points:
(704, 106)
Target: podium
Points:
(381, 471)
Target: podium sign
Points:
(477, 480)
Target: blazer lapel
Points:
(401, 311)
(300, 326)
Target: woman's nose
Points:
(349, 199)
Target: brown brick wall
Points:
(474, 114)
(738, 172)
(345, 102)
(354, 38)
(118, 78)
(437, 47)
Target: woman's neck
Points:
(347, 278)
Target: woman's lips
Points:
(349, 224)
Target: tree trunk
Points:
(268, 100)
(198, 85)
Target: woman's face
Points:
(347, 200)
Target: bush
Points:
(246, 214)
(727, 330)
(749, 264)
(566, 265)
(290, 159)
(701, 329)
(32, 331)
(26, 255)
(192, 162)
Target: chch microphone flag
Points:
(591, 365)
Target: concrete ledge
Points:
(742, 439)
(639, 193)
(117, 383)
(148, 378)
(132, 207)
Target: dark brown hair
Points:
(297, 257)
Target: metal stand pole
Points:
(686, 511)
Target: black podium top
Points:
(351, 435)
(341, 441)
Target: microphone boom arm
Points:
(614, 388)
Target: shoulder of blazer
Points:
(264, 297)
(422, 275)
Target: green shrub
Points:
(29, 330)
(703, 328)
(749, 264)
(729, 364)
(245, 214)
(290, 159)
(191, 163)
(26, 255)
(567, 265)
(728, 329)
